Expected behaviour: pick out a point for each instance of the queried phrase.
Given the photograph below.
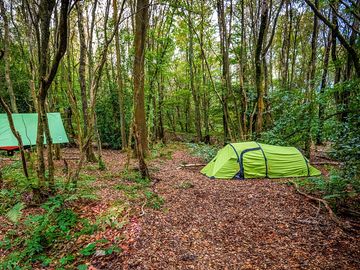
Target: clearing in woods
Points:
(222, 224)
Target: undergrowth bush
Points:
(40, 232)
(54, 222)
(204, 151)
(336, 189)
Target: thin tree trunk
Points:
(243, 94)
(259, 74)
(120, 84)
(140, 132)
(319, 137)
(192, 85)
(6, 57)
(311, 83)
(225, 77)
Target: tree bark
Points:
(194, 91)
(6, 57)
(140, 131)
(311, 83)
(319, 137)
(120, 83)
(47, 74)
(259, 74)
(225, 76)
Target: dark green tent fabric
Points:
(257, 160)
(26, 125)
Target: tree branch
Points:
(351, 10)
(343, 19)
(63, 35)
(337, 33)
(273, 29)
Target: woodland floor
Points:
(221, 224)
(215, 224)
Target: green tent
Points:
(26, 125)
(257, 160)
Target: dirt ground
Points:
(222, 224)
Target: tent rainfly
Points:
(257, 160)
(26, 124)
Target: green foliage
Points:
(88, 250)
(335, 189)
(82, 267)
(112, 249)
(66, 259)
(114, 216)
(283, 131)
(137, 187)
(204, 151)
(154, 201)
(161, 150)
(8, 198)
(15, 213)
(42, 231)
(101, 164)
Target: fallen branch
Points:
(9, 159)
(326, 163)
(190, 165)
(322, 201)
(70, 158)
(142, 207)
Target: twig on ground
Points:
(142, 207)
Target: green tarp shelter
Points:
(257, 160)
(26, 125)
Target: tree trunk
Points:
(242, 64)
(311, 84)
(6, 57)
(319, 137)
(82, 72)
(194, 91)
(160, 126)
(225, 76)
(259, 74)
(47, 74)
(140, 132)
(119, 77)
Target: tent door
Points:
(252, 164)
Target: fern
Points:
(15, 213)
(75, 197)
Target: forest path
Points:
(249, 224)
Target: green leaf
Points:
(82, 267)
(88, 250)
(15, 213)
